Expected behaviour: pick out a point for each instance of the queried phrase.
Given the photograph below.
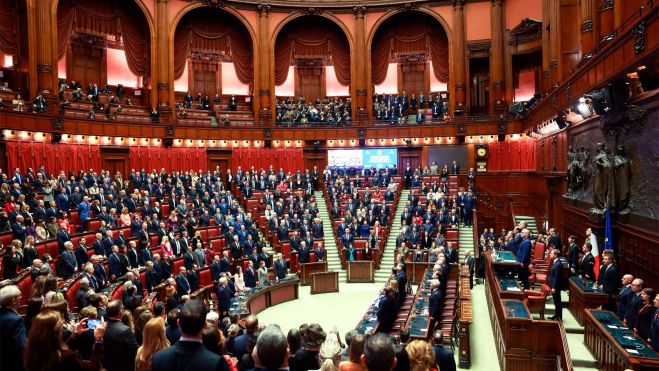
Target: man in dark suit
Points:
(81, 252)
(303, 253)
(13, 335)
(250, 275)
(120, 344)
(635, 304)
(469, 261)
(224, 295)
(435, 304)
(451, 253)
(401, 277)
(524, 258)
(625, 295)
(573, 255)
(443, 357)
(587, 265)
(68, 264)
(182, 283)
(608, 279)
(280, 267)
(18, 229)
(555, 283)
(188, 353)
(216, 268)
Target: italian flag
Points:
(596, 253)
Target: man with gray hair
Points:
(345, 356)
(83, 293)
(271, 349)
(68, 263)
(12, 329)
(379, 353)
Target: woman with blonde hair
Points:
(329, 354)
(154, 340)
(124, 218)
(166, 247)
(422, 357)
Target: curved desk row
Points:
(268, 296)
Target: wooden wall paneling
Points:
(570, 29)
(116, 159)
(411, 155)
(218, 157)
(315, 157)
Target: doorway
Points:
(204, 78)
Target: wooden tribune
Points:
(360, 271)
(581, 299)
(309, 268)
(610, 355)
(323, 282)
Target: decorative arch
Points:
(387, 16)
(105, 23)
(202, 33)
(342, 58)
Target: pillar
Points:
(265, 93)
(459, 51)
(46, 55)
(497, 76)
(587, 35)
(165, 91)
(607, 19)
(360, 104)
(554, 41)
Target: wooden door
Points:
(310, 82)
(116, 164)
(223, 163)
(413, 78)
(409, 155)
(86, 70)
(86, 64)
(204, 78)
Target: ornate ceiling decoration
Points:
(318, 6)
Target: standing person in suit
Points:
(435, 305)
(250, 275)
(182, 284)
(224, 295)
(68, 264)
(654, 326)
(469, 261)
(524, 258)
(587, 265)
(573, 255)
(386, 313)
(13, 335)
(625, 295)
(608, 279)
(635, 304)
(188, 353)
(555, 282)
(280, 267)
(120, 344)
(401, 277)
(443, 357)
(645, 314)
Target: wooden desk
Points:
(416, 271)
(583, 296)
(266, 297)
(603, 342)
(521, 342)
(308, 268)
(322, 282)
(360, 271)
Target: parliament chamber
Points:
(313, 185)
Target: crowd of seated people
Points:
(396, 109)
(292, 112)
(109, 335)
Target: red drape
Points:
(117, 18)
(512, 156)
(56, 157)
(312, 38)
(8, 28)
(201, 31)
(402, 36)
(290, 159)
(172, 159)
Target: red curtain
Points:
(290, 159)
(399, 36)
(8, 28)
(172, 159)
(312, 38)
(119, 18)
(512, 156)
(201, 31)
(56, 157)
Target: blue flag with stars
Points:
(608, 232)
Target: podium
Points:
(360, 271)
(324, 282)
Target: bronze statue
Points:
(623, 177)
(574, 171)
(604, 189)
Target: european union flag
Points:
(608, 232)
